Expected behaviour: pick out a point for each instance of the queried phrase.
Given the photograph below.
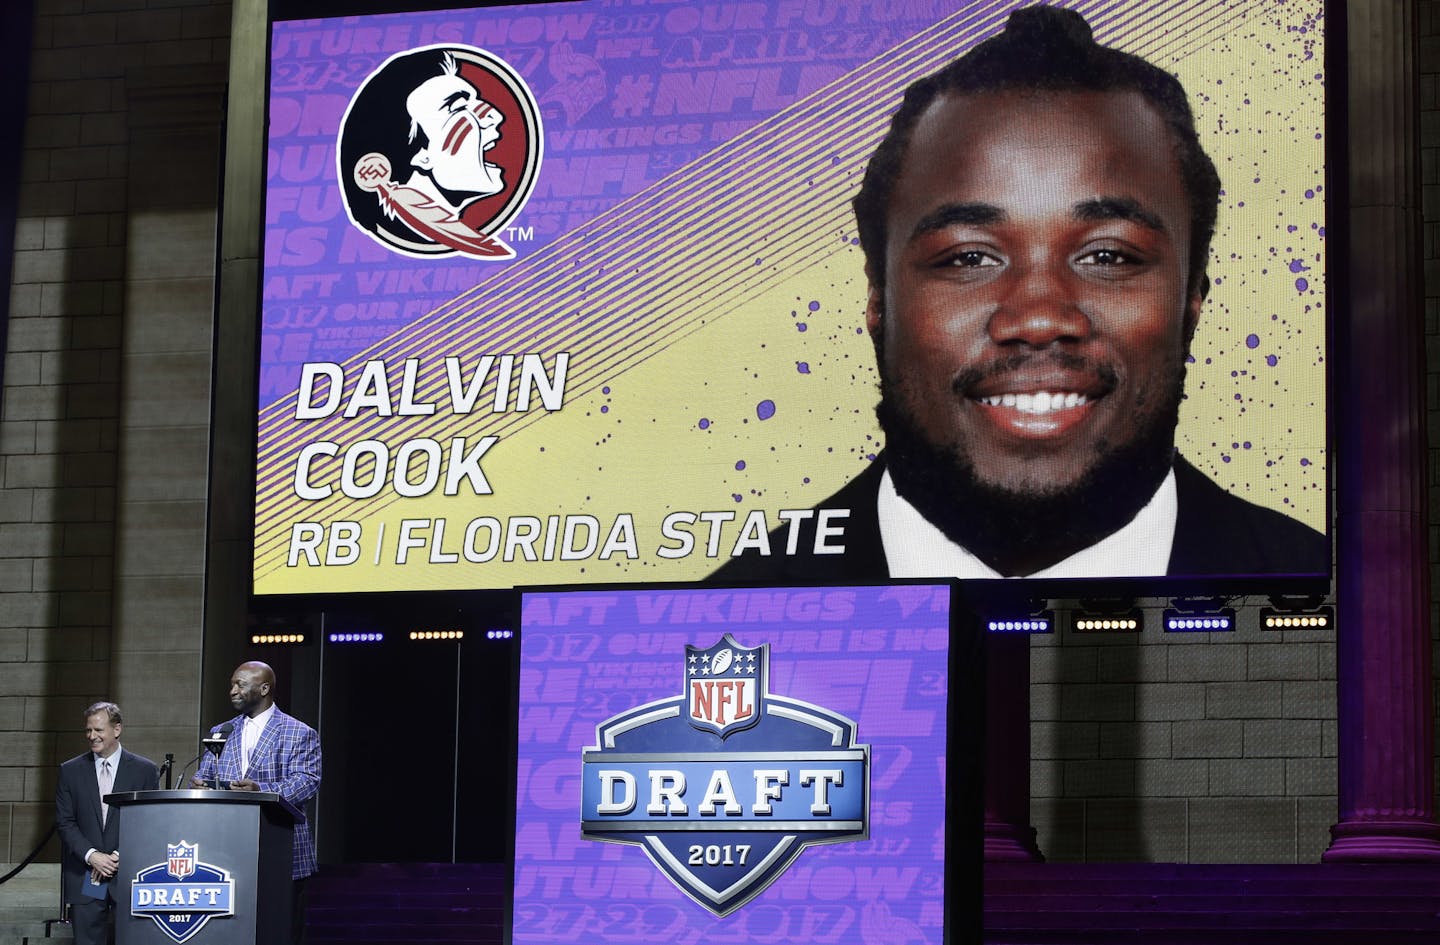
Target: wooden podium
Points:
(204, 868)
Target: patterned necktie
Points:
(107, 782)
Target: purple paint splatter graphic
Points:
(765, 409)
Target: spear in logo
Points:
(422, 214)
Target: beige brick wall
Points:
(104, 420)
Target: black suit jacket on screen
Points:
(1216, 533)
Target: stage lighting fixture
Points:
(499, 634)
(1108, 615)
(1126, 623)
(1199, 615)
(356, 637)
(1297, 613)
(270, 639)
(437, 634)
(1037, 623)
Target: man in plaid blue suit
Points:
(268, 750)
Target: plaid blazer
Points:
(286, 761)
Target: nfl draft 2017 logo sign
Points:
(182, 894)
(439, 149)
(726, 784)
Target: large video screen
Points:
(574, 292)
(745, 766)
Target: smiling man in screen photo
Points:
(1036, 227)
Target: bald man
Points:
(270, 751)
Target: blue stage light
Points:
(1040, 622)
(356, 637)
(1199, 615)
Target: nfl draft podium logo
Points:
(182, 894)
(725, 785)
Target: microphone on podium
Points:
(215, 744)
(215, 741)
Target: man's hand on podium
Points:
(241, 784)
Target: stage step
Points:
(26, 901)
(407, 904)
(1174, 904)
(1025, 904)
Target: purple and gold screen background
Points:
(877, 655)
(689, 247)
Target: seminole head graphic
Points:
(438, 151)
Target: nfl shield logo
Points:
(810, 778)
(180, 859)
(723, 685)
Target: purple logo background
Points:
(876, 655)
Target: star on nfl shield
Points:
(726, 784)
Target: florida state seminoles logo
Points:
(438, 151)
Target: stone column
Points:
(1008, 834)
(174, 119)
(1386, 782)
(232, 463)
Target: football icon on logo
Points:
(721, 662)
(439, 149)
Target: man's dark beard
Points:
(1021, 533)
